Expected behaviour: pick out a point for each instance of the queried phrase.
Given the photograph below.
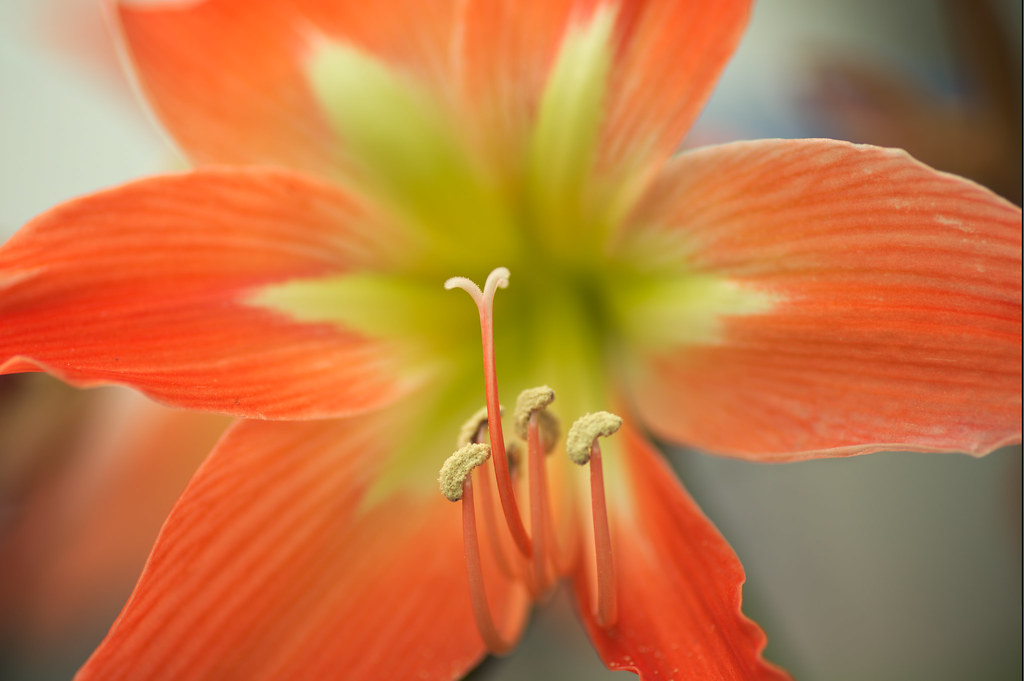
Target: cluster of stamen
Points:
(537, 559)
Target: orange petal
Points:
(244, 97)
(146, 284)
(678, 584)
(896, 321)
(508, 48)
(80, 538)
(275, 564)
(669, 56)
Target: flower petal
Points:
(147, 285)
(668, 56)
(678, 583)
(894, 315)
(671, 55)
(508, 47)
(244, 97)
(276, 564)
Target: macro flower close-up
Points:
(398, 217)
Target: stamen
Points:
(495, 642)
(540, 429)
(586, 430)
(538, 496)
(514, 452)
(484, 300)
(582, 447)
(534, 402)
(511, 569)
(458, 466)
(462, 463)
(472, 430)
(530, 411)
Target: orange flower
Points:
(770, 300)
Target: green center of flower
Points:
(593, 289)
(420, 158)
(428, 158)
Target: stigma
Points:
(529, 553)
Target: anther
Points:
(457, 472)
(586, 430)
(582, 447)
(458, 466)
(514, 452)
(533, 402)
(484, 300)
(474, 427)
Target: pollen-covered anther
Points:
(534, 402)
(586, 430)
(458, 466)
(514, 451)
(474, 428)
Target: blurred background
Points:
(897, 566)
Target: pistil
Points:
(484, 300)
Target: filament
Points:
(538, 495)
(607, 605)
(495, 642)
